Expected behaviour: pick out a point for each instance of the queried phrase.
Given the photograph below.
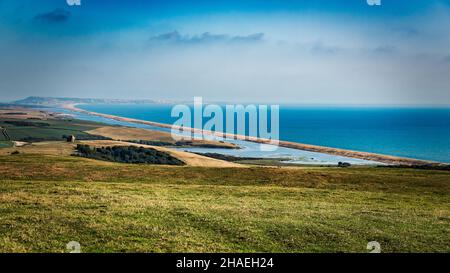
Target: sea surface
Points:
(421, 133)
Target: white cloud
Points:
(303, 59)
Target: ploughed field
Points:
(47, 201)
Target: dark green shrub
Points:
(128, 154)
(27, 123)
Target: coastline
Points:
(386, 159)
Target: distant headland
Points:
(55, 101)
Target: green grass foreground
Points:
(47, 201)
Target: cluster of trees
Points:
(200, 145)
(152, 142)
(27, 123)
(15, 114)
(431, 166)
(56, 138)
(228, 157)
(344, 164)
(87, 137)
(181, 143)
(163, 143)
(38, 139)
(128, 154)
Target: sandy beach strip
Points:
(387, 159)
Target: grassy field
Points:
(47, 201)
(55, 130)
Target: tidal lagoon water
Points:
(421, 133)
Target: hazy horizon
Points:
(297, 52)
(205, 102)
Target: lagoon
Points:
(421, 133)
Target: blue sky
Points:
(319, 52)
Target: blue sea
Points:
(422, 133)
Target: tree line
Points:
(128, 154)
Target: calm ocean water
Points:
(417, 133)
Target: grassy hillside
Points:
(47, 201)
